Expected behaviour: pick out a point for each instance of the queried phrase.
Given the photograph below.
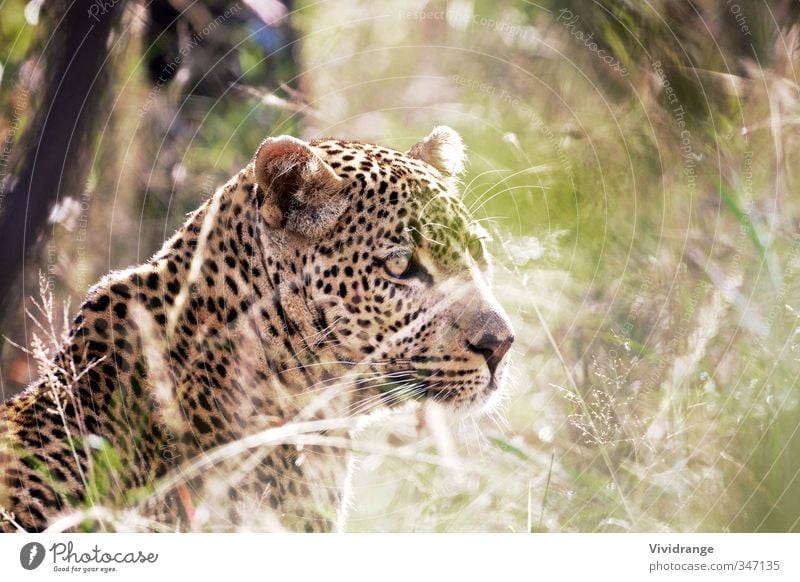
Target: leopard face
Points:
(399, 276)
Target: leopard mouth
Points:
(418, 383)
(404, 385)
(422, 387)
(407, 385)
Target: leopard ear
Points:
(442, 149)
(302, 192)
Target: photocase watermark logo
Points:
(570, 22)
(101, 8)
(31, 555)
(65, 557)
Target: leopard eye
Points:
(397, 265)
(476, 250)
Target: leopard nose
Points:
(492, 349)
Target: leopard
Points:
(225, 377)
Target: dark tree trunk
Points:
(56, 146)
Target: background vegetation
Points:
(635, 163)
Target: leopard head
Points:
(390, 265)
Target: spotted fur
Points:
(323, 281)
